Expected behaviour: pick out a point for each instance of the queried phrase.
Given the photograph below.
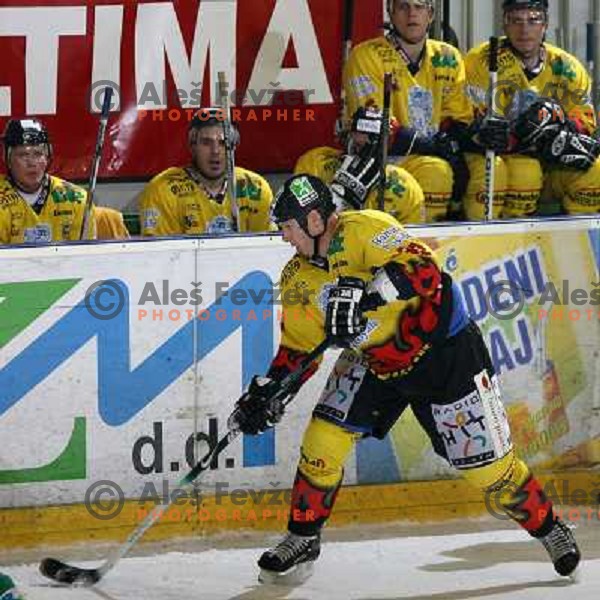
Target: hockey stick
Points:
(490, 155)
(347, 32)
(385, 136)
(89, 203)
(62, 572)
(230, 151)
(446, 21)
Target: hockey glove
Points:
(570, 149)
(343, 316)
(544, 118)
(492, 133)
(357, 176)
(257, 410)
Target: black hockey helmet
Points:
(207, 117)
(25, 132)
(508, 5)
(300, 195)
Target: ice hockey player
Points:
(380, 294)
(544, 96)
(429, 102)
(354, 175)
(36, 207)
(195, 199)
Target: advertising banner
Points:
(281, 58)
(120, 363)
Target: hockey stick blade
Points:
(70, 575)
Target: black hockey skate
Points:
(562, 548)
(291, 562)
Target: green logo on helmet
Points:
(303, 191)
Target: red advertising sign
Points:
(282, 59)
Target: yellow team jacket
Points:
(60, 218)
(174, 203)
(364, 241)
(403, 197)
(421, 101)
(562, 77)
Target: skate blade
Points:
(575, 576)
(297, 575)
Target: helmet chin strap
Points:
(316, 259)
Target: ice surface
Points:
(494, 563)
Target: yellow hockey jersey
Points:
(175, 203)
(59, 219)
(562, 77)
(364, 241)
(421, 101)
(403, 197)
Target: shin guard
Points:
(529, 506)
(311, 506)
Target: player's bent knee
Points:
(506, 469)
(474, 201)
(324, 451)
(524, 186)
(582, 197)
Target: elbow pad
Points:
(394, 281)
(390, 284)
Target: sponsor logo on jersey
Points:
(392, 237)
(363, 86)
(150, 218)
(336, 245)
(563, 68)
(219, 225)
(442, 60)
(41, 233)
(363, 338)
(303, 191)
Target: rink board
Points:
(129, 397)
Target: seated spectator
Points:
(194, 199)
(36, 207)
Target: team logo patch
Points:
(303, 191)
